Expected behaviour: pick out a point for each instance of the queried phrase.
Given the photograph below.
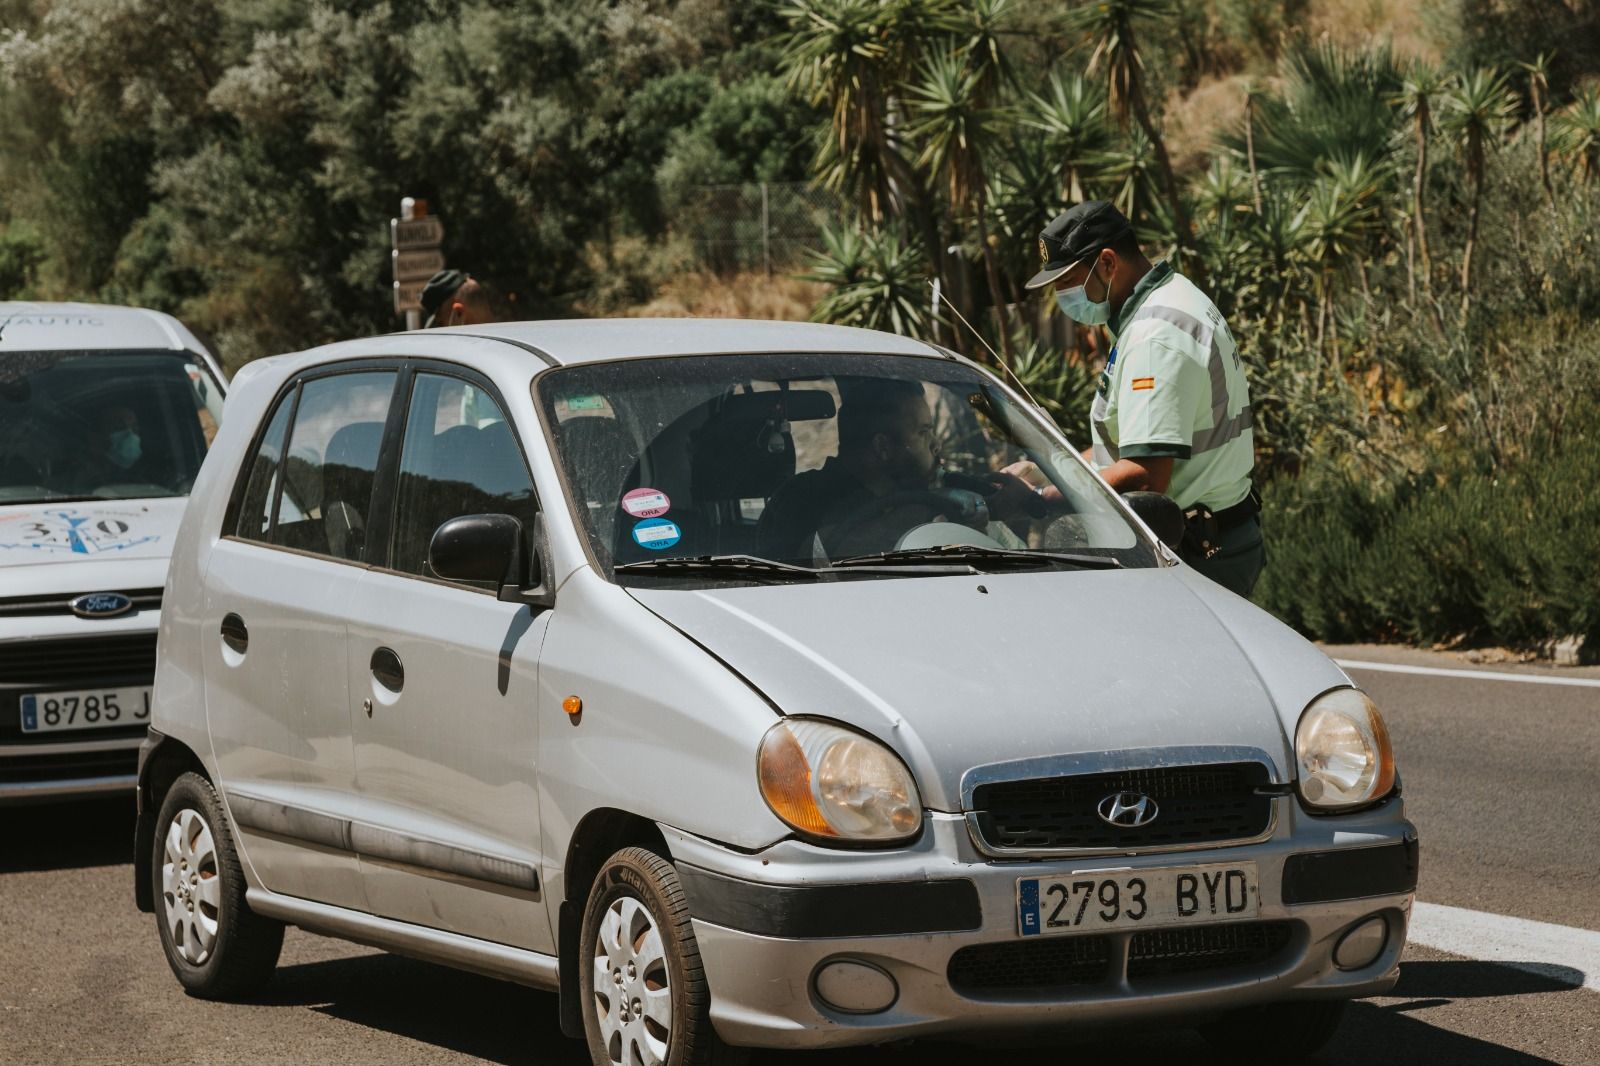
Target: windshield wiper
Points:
(976, 556)
(753, 566)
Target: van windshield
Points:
(702, 468)
(97, 425)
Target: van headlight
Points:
(833, 783)
(1343, 750)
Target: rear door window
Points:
(317, 495)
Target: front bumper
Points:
(79, 769)
(767, 922)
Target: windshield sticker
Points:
(646, 503)
(73, 532)
(586, 403)
(655, 534)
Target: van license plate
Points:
(96, 708)
(1098, 900)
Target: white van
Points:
(105, 416)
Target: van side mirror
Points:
(491, 547)
(1161, 513)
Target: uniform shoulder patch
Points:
(1142, 384)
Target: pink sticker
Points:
(646, 503)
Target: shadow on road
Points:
(65, 836)
(505, 1023)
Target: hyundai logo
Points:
(1127, 810)
(101, 605)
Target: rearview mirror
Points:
(1161, 514)
(490, 547)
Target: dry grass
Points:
(1193, 122)
(1363, 22)
(753, 295)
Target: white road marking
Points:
(1553, 951)
(1480, 675)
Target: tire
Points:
(217, 947)
(640, 994)
(1278, 1033)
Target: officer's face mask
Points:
(124, 448)
(1076, 305)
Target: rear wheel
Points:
(643, 990)
(1276, 1032)
(217, 947)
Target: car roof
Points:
(587, 340)
(27, 326)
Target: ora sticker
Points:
(655, 534)
(646, 503)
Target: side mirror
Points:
(1161, 514)
(490, 547)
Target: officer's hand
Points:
(1012, 495)
(1028, 471)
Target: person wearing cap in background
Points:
(1171, 411)
(454, 298)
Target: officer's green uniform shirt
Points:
(1173, 386)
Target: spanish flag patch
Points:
(1141, 384)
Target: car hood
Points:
(959, 672)
(87, 547)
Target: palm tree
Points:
(848, 56)
(1539, 93)
(1577, 130)
(1250, 144)
(1416, 98)
(875, 280)
(1072, 113)
(1110, 24)
(1478, 108)
(958, 127)
(1340, 217)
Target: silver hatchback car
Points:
(750, 685)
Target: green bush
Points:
(1481, 557)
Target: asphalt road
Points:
(1499, 777)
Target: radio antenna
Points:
(998, 360)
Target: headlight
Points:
(1343, 750)
(830, 782)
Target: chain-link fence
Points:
(758, 226)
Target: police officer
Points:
(1172, 409)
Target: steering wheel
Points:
(958, 505)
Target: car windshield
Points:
(837, 464)
(101, 425)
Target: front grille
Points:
(79, 662)
(1045, 966)
(23, 769)
(1196, 805)
(58, 603)
(1203, 948)
(1030, 965)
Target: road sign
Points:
(408, 296)
(409, 233)
(418, 264)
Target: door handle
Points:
(234, 633)
(388, 669)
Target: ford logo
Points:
(101, 605)
(1127, 810)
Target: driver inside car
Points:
(881, 483)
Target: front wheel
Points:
(643, 990)
(217, 947)
(1279, 1033)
